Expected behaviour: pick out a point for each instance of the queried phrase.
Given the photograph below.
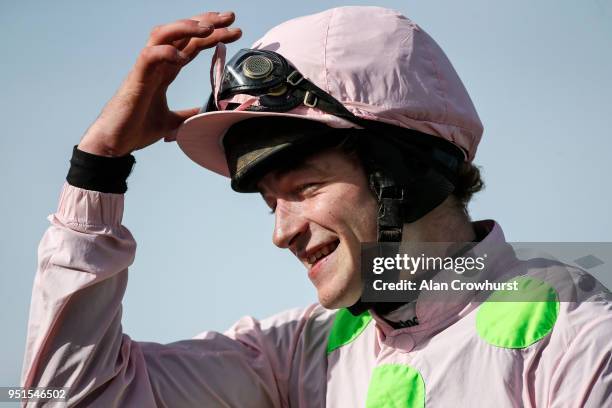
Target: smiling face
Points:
(324, 209)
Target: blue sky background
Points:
(538, 71)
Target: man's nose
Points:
(289, 224)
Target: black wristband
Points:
(99, 173)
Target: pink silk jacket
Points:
(463, 353)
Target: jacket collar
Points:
(436, 309)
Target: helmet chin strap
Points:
(407, 187)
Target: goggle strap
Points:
(294, 78)
(310, 99)
(216, 70)
(316, 97)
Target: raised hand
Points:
(138, 114)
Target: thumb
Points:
(182, 115)
(178, 117)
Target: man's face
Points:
(324, 210)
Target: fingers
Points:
(179, 30)
(152, 57)
(175, 44)
(219, 20)
(224, 35)
(176, 118)
(201, 25)
(182, 115)
(180, 44)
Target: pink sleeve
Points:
(583, 375)
(75, 337)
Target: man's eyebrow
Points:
(287, 171)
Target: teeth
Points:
(321, 253)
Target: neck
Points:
(448, 223)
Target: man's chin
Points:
(337, 300)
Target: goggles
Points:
(268, 83)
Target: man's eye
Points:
(306, 187)
(300, 189)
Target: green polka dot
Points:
(396, 386)
(346, 328)
(518, 318)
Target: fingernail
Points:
(234, 30)
(226, 14)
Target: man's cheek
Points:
(328, 208)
